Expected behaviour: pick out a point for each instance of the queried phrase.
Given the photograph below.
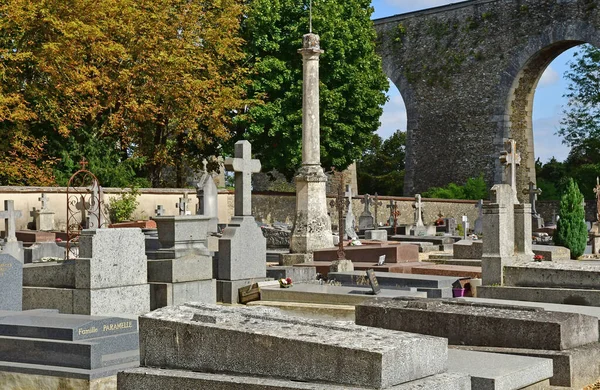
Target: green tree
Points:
(475, 188)
(352, 82)
(571, 230)
(381, 167)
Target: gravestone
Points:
(373, 282)
(451, 226)
(418, 206)
(208, 202)
(465, 226)
(11, 245)
(160, 210)
(242, 248)
(11, 283)
(511, 159)
(44, 218)
(183, 205)
(366, 220)
(349, 221)
(536, 220)
(478, 225)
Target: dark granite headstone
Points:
(373, 282)
(11, 283)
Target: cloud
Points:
(546, 143)
(407, 6)
(550, 77)
(394, 115)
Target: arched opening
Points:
(381, 169)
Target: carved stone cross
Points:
(597, 192)
(533, 192)
(44, 200)
(244, 166)
(10, 216)
(160, 211)
(367, 202)
(511, 158)
(182, 205)
(376, 204)
(418, 210)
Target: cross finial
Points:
(511, 158)
(244, 166)
(83, 163)
(10, 216)
(204, 165)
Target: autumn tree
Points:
(155, 80)
(352, 82)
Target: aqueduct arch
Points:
(468, 74)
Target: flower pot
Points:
(458, 292)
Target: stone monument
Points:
(349, 220)
(312, 226)
(11, 283)
(44, 218)
(11, 245)
(207, 193)
(243, 248)
(478, 225)
(536, 220)
(366, 220)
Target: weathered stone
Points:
(277, 238)
(468, 249)
(181, 236)
(182, 269)
(242, 250)
(171, 294)
(341, 266)
(11, 283)
(568, 296)
(376, 235)
(554, 275)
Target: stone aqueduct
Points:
(468, 73)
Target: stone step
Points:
(465, 262)
(553, 275)
(448, 270)
(574, 368)
(487, 324)
(332, 295)
(494, 371)
(262, 342)
(565, 296)
(441, 256)
(405, 268)
(552, 253)
(393, 279)
(158, 379)
(58, 377)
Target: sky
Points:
(548, 100)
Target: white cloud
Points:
(546, 143)
(394, 115)
(550, 77)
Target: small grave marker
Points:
(381, 260)
(373, 282)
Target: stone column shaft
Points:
(311, 152)
(523, 232)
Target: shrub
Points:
(571, 230)
(121, 208)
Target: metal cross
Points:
(44, 199)
(533, 192)
(339, 203)
(160, 211)
(376, 204)
(511, 158)
(10, 216)
(83, 163)
(597, 192)
(244, 166)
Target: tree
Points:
(352, 82)
(571, 229)
(381, 167)
(157, 79)
(475, 188)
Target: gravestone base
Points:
(341, 266)
(44, 220)
(297, 274)
(15, 249)
(376, 235)
(242, 250)
(172, 294)
(39, 250)
(131, 300)
(227, 290)
(492, 269)
(287, 259)
(183, 269)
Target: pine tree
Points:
(571, 231)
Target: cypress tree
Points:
(571, 230)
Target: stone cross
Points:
(182, 205)
(597, 192)
(554, 217)
(95, 211)
(418, 210)
(478, 226)
(10, 216)
(83, 206)
(350, 223)
(244, 166)
(44, 200)
(339, 203)
(511, 158)
(367, 202)
(160, 211)
(533, 192)
(391, 207)
(376, 204)
(465, 224)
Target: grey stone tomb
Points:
(183, 205)
(366, 219)
(11, 283)
(242, 248)
(44, 218)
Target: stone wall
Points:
(468, 73)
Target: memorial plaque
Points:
(11, 283)
(373, 282)
(381, 260)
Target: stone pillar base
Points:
(492, 269)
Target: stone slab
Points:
(323, 266)
(491, 371)
(53, 274)
(574, 368)
(488, 324)
(60, 299)
(468, 249)
(552, 253)
(40, 250)
(227, 290)
(436, 240)
(182, 234)
(328, 294)
(171, 294)
(377, 235)
(567, 296)
(242, 250)
(233, 339)
(36, 376)
(448, 270)
(394, 279)
(297, 274)
(11, 283)
(554, 275)
(462, 262)
(370, 254)
(127, 300)
(182, 269)
(147, 378)
(288, 259)
(30, 236)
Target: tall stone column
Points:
(523, 232)
(312, 226)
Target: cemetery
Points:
(327, 289)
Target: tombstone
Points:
(536, 220)
(43, 218)
(376, 289)
(11, 245)
(465, 226)
(478, 226)
(376, 204)
(11, 283)
(418, 206)
(183, 205)
(366, 220)
(451, 226)
(160, 210)
(349, 221)
(208, 198)
(95, 218)
(511, 159)
(242, 248)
